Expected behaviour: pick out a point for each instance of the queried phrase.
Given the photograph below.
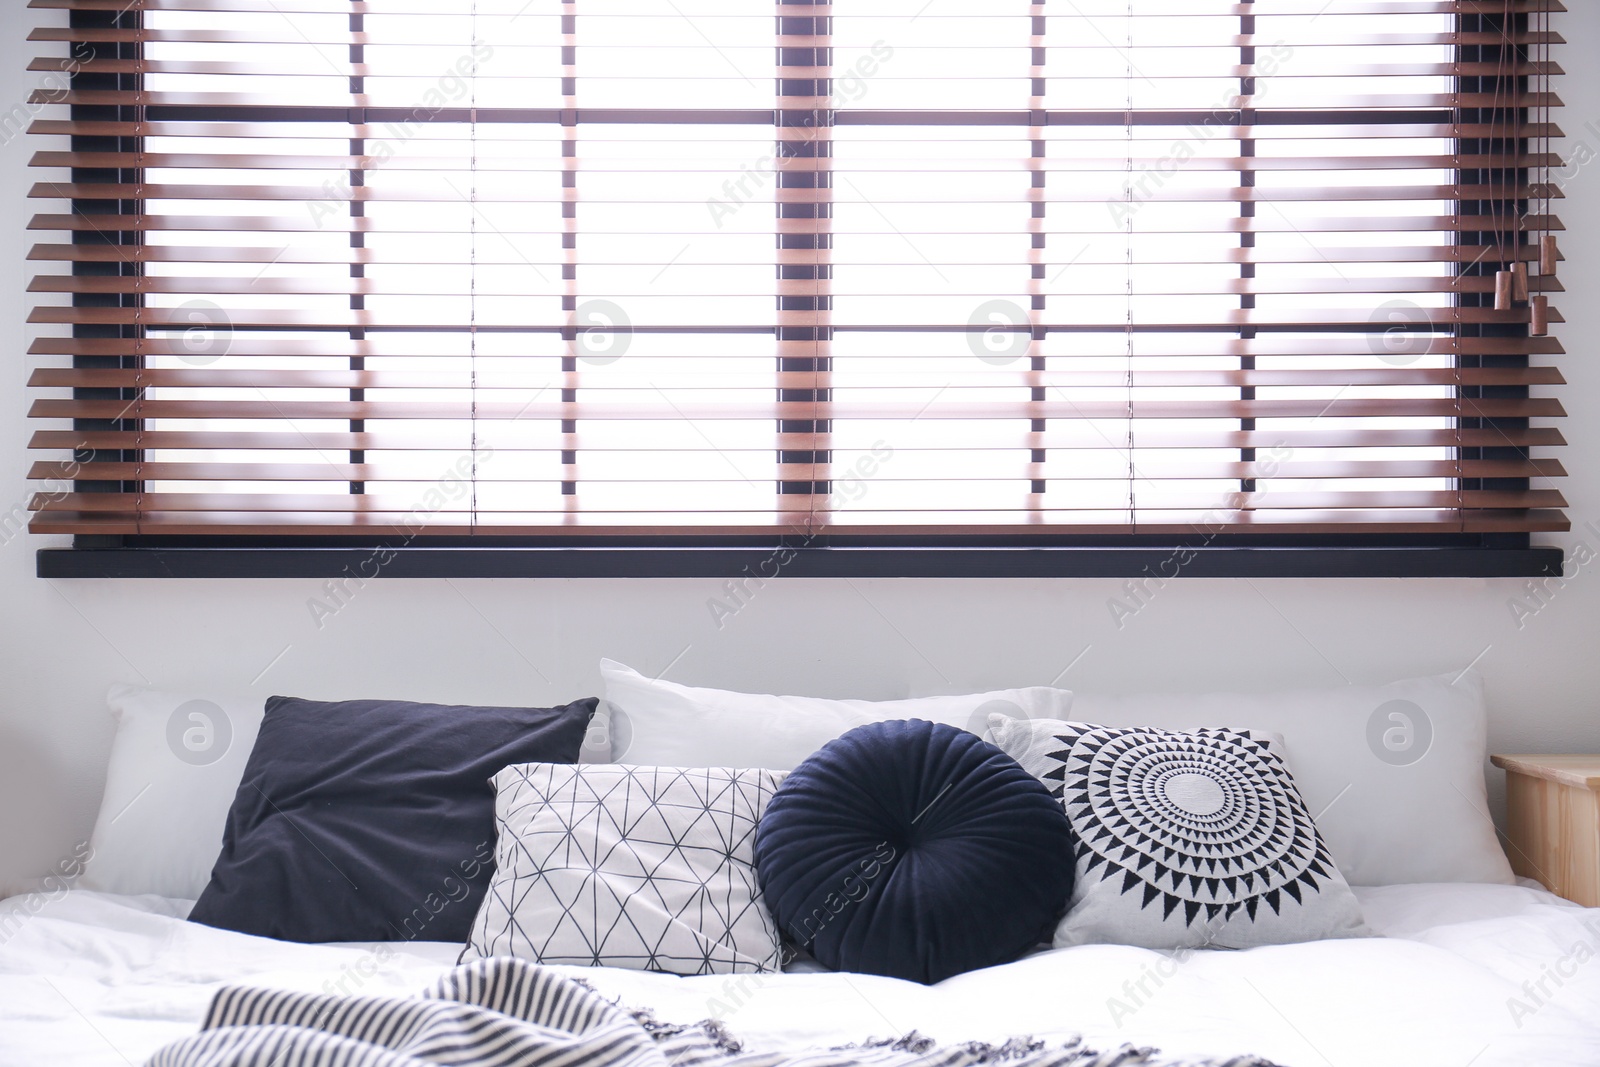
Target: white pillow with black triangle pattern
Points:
(647, 868)
(1184, 840)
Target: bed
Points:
(1468, 967)
(1481, 975)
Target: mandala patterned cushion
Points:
(915, 850)
(648, 868)
(1184, 840)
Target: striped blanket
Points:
(505, 1012)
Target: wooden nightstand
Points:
(1554, 825)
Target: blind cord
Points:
(1133, 513)
(472, 261)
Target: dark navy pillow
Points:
(914, 850)
(373, 820)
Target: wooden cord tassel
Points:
(1549, 255)
(1519, 282)
(1502, 290)
(1539, 325)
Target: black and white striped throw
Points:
(505, 1012)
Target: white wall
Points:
(539, 641)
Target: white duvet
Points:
(1464, 976)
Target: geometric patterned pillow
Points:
(649, 868)
(1184, 840)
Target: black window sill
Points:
(767, 562)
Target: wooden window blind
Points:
(888, 268)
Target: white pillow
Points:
(1184, 840)
(1392, 774)
(647, 868)
(663, 724)
(175, 766)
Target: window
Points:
(933, 274)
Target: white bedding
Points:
(1478, 975)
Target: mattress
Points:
(1479, 975)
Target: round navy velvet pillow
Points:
(914, 850)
